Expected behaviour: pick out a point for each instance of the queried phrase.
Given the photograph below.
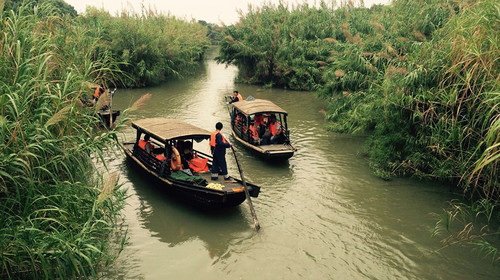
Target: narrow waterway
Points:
(324, 215)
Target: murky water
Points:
(323, 214)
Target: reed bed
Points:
(414, 74)
(420, 77)
(53, 224)
(152, 47)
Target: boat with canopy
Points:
(261, 126)
(164, 151)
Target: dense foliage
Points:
(56, 210)
(422, 76)
(152, 47)
(213, 31)
(58, 6)
(52, 224)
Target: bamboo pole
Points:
(252, 210)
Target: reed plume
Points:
(141, 102)
(58, 116)
(110, 182)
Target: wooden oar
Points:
(252, 211)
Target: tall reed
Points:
(413, 74)
(421, 77)
(52, 222)
(152, 47)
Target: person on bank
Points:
(218, 146)
(236, 97)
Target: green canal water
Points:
(324, 215)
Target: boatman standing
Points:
(218, 146)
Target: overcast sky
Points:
(212, 11)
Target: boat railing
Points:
(203, 155)
(286, 135)
(152, 163)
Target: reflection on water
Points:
(166, 219)
(323, 214)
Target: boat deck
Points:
(228, 186)
(275, 147)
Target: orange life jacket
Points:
(239, 97)
(275, 128)
(259, 120)
(142, 145)
(161, 157)
(212, 138)
(255, 133)
(199, 164)
(97, 92)
(237, 119)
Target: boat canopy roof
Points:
(250, 107)
(163, 129)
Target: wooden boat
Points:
(106, 114)
(244, 112)
(198, 190)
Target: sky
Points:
(212, 11)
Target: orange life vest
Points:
(199, 164)
(97, 92)
(212, 138)
(142, 145)
(259, 120)
(272, 128)
(237, 120)
(239, 97)
(161, 157)
(255, 133)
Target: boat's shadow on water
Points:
(174, 221)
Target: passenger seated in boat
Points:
(259, 123)
(146, 145)
(273, 132)
(187, 154)
(275, 129)
(254, 133)
(240, 122)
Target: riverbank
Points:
(422, 79)
(422, 82)
(57, 208)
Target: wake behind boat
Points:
(170, 160)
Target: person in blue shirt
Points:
(218, 146)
